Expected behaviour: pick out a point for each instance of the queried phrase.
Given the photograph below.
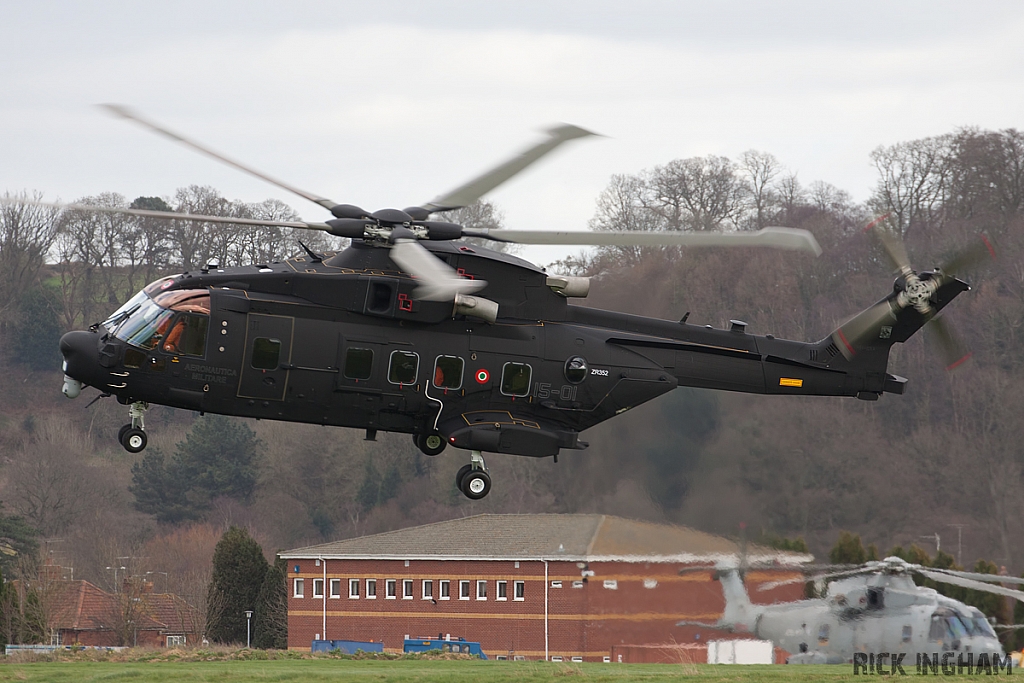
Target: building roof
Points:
(588, 537)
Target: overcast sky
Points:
(391, 103)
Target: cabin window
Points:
(448, 372)
(938, 628)
(908, 632)
(358, 363)
(515, 379)
(266, 353)
(823, 633)
(403, 367)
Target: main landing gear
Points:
(472, 479)
(133, 435)
(430, 443)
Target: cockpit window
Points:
(956, 627)
(979, 626)
(145, 322)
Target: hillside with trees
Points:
(893, 471)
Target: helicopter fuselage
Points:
(342, 341)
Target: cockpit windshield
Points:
(145, 321)
(978, 625)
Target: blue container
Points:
(457, 645)
(348, 647)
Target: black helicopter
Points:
(391, 334)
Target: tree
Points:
(239, 571)
(26, 234)
(218, 458)
(848, 550)
(18, 541)
(270, 618)
(39, 329)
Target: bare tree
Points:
(760, 170)
(26, 234)
(913, 180)
(700, 193)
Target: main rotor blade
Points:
(954, 352)
(814, 579)
(969, 583)
(780, 238)
(124, 112)
(437, 280)
(994, 578)
(169, 215)
(470, 192)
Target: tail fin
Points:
(861, 344)
(740, 613)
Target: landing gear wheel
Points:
(134, 440)
(121, 431)
(476, 484)
(460, 475)
(430, 444)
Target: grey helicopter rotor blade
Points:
(125, 112)
(437, 280)
(976, 576)
(471, 191)
(970, 583)
(954, 352)
(168, 215)
(777, 237)
(815, 578)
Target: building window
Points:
(403, 366)
(577, 584)
(611, 584)
(520, 590)
(481, 590)
(463, 590)
(407, 589)
(299, 590)
(502, 593)
(371, 589)
(445, 589)
(335, 588)
(428, 589)
(515, 379)
(390, 589)
(353, 588)
(556, 584)
(650, 583)
(175, 640)
(318, 588)
(358, 363)
(448, 372)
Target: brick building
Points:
(532, 586)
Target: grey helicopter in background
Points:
(867, 610)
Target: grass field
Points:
(425, 671)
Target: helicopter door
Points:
(268, 346)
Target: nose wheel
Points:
(472, 479)
(133, 435)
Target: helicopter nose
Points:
(80, 354)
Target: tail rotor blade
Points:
(954, 352)
(975, 254)
(862, 328)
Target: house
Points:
(544, 586)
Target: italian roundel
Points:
(482, 376)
